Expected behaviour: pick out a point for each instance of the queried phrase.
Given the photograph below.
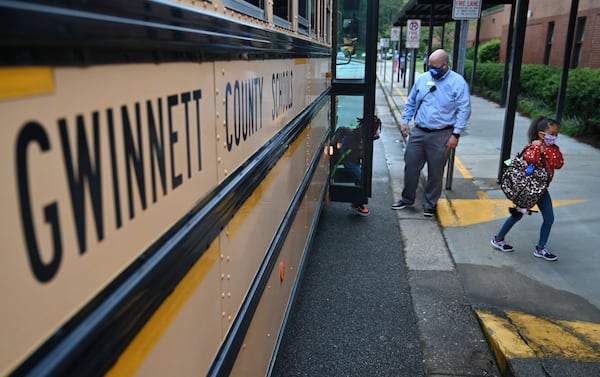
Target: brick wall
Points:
(542, 12)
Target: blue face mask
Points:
(436, 72)
(549, 139)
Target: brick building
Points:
(545, 38)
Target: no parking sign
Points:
(413, 33)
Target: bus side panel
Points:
(318, 72)
(183, 336)
(259, 343)
(251, 231)
(255, 100)
(94, 169)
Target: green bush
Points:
(539, 92)
(582, 98)
(489, 52)
(470, 53)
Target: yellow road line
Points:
(465, 212)
(461, 169)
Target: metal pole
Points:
(384, 63)
(392, 73)
(560, 103)
(476, 47)
(462, 52)
(413, 67)
(514, 87)
(430, 42)
(400, 53)
(508, 56)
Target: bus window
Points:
(303, 16)
(327, 23)
(282, 13)
(282, 9)
(351, 31)
(254, 8)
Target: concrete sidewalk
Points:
(540, 318)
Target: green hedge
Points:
(539, 92)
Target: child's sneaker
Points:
(501, 244)
(544, 253)
(360, 210)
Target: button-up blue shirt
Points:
(449, 104)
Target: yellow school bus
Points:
(163, 167)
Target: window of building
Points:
(579, 34)
(549, 39)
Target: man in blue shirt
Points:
(440, 104)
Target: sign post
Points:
(385, 44)
(466, 9)
(462, 10)
(413, 40)
(395, 37)
(413, 33)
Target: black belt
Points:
(433, 129)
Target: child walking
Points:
(542, 134)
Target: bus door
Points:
(353, 124)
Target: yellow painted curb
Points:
(556, 338)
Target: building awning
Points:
(441, 14)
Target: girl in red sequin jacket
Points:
(542, 135)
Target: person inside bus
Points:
(348, 150)
(440, 104)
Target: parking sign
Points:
(395, 35)
(413, 33)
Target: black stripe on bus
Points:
(92, 340)
(89, 32)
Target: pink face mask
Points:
(550, 139)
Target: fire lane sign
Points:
(466, 9)
(413, 33)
